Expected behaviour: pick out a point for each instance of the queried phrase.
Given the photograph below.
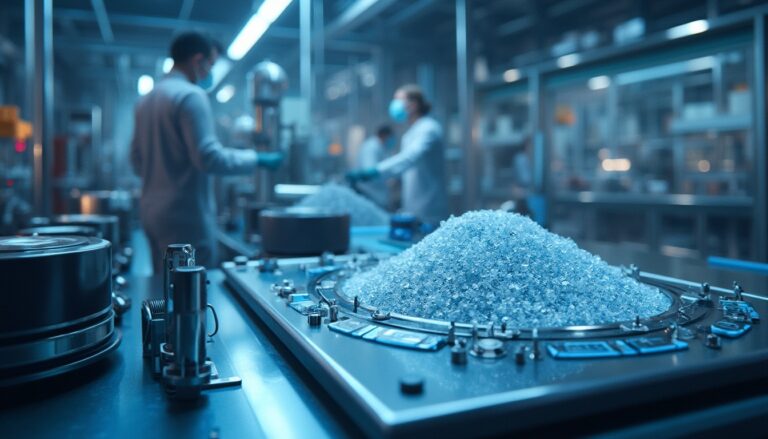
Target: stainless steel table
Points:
(118, 397)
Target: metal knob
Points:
(314, 319)
(535, 351)
(333, 312)
(451, 335)
(713, 341)
(412, 385)
(459, 353)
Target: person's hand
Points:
(269, 160)
(362, 174)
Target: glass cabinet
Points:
(505, 144)
(656, 153)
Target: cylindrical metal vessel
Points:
(57, 304)
(176, 255)
(303, 231)
(189, 306)
(116, 202)
(60, 231)
(107, 225)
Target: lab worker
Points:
(420, 161)
(175, 151)
(373, 151)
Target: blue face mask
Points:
(397, 111)
(207, 82)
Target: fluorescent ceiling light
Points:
(255, 27)
(692, 28)
(145, 84)
(225, 94)
(599, 82)
(167, 65)
(511, 75)
(569, 60)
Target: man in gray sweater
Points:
(175, 150)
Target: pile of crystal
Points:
(337, 198)
(487, 265)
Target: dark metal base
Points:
(58, 366)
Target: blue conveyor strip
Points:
(737, 264)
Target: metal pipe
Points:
(103, 20)
(305, 53)
(39, 67)
(466, 99)
(760, 218)
(319, 38)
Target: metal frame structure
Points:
(755, 18)
(39, 58)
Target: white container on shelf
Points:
(738, 101)
(699, 110)
(504, 126)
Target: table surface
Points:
(118, 397)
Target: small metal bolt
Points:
(452, 335)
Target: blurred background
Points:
(641, 122)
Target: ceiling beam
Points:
(83, 15)
(567, 6)
(99, 46)
(515, 26)
(103, 20)
(186, 9)
(411, 12)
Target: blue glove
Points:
(362, 174)
(269, 160)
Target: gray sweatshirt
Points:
(174, 150)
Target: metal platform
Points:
(394, 376)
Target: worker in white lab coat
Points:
(373, 151)
(175, 150)
(420, 161)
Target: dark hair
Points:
(384, 131)
(414, 94)
(189, 44)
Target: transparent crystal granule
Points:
(337, 198)
(486, 265)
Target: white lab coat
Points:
(371, 153)
(421, 163)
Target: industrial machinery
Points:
(107, 226)
(119, 203)
(174, 333)
(16, 170)
(268, 82)
(303, 231)
(57, 305)
(120, 301)
(243, 197)
(461, 379)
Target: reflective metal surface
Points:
(118, 396)
(50, 282)
(57, 346)
(550, 381)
